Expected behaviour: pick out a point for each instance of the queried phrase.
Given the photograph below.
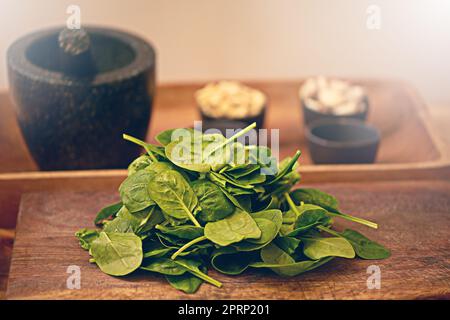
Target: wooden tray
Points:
(414, 218)
(409, 147)
(408, 140)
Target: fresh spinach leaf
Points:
(168, 136)
(184, 232)
(228, 260)
(292, 269)
(107, 212)
(134, 191)
(86, 237)
(139, 164)
(163, 265)
(315, 197)
(364, 247)
(318, 248)
(117, 254)
(213, 202)
(187, 282)
(193, 267)
(234, 228)
(174, 196)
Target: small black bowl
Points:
(309, 115)
(259, 118)
(342, 141)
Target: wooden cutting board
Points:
(414, 220)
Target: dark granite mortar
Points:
(73, 122)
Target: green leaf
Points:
(269, 222)
(315, 197)
(170, 135)
(249, 179)
(124, 222)
(287, 244)
(213, 202)
(283, 264)
(117, 254)
(292, 269)
(154, 249)
(272, 254)
(364, 247)
(194, 153)
(225, 181)
(148, 219)
(134, 191)
(230, 261)
(242, 170)
(234, 228)
(289, 218)
(193, 267)
(86, 237)
(318, 248)
(187, 282)
(107, 212)
(163, 265)
(309, 217)
(137, 222)
(239, 203)
(286, 167)
(273, 215)
(328, 202)
(184, 232)
(138, 164)
(158, 167)
(174, 195)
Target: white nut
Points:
(230, 99)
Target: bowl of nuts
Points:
(231, 100)
(323, 98)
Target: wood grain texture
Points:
(414, 220)
(5, 258)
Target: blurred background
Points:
(394, 53)
(203, 40)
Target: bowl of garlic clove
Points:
(231, 100)
(327, 98)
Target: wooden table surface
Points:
(414, 222)
(18, 157)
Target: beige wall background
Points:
(200, 40)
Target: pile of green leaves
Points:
(179, 217)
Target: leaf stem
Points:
(332, 232)
(355, 219)
(291, 204)
(142, 144)
(231, 139)
(192, 218)
(187, 245)
(206, 278)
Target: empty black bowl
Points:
(309, 115)
(342, 141)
